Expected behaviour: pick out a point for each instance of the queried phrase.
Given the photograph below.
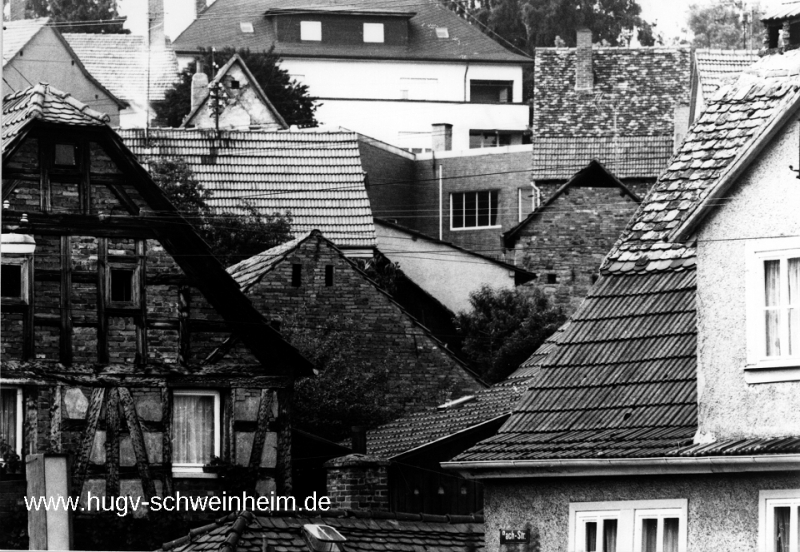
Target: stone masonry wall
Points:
(426, 375)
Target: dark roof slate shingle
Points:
(316, 176)
(218, 26)
(283, 531)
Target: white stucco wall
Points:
(443, 271)
(764, 202)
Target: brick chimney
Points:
(442, 136)
(358, 482)
(16, 10)
(155, 18)
(584, 76)
(199, 85)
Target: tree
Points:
(289, 97)
(725, 25)
(504, 328)
(79, 12)
(231, 236)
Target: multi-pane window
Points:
(635, 526)
(311, 30)
(195, 429)
(373, 32)
(488, 139)
(473, 209)
(780, 521)
(487, 91)
(11, 418)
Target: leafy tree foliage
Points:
(290, 98)
(78, 12)
(504, 328)
(725, 25)
(231, 236)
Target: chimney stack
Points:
(155, 18)
(48, 477)
(584, 76)
(358, 482)
(442, 136)
(199, 85)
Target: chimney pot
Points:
(442, 136)
(584, 75)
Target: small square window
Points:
(234, 84)
(328, 275)
(122, 285)
(65, 155)
(442, 32)
(373, 32)
(297, 271)
(311, 30)
(552, 279)
(11, 281)
(246, 26)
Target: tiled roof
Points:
(364, 531)
(786, 10)
(219, 26)
(249, 271)
(45, 103)
(621, 381)
(16, 34)
(422, 428)
(656, 80)
(316, 176)
(738, 447)
(124, 64)
(560, 157)
(715, 67)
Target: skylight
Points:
(246, 26)
(442, 32)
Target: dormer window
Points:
(373, 32)
(311, 31)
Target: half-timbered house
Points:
(124, 342)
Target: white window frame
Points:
(196, 470)
(464, 211)
(628, 514)
(373, 33)
(767, 502)
(761, 368)
(19, 408)
(311, 31)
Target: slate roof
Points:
(621, 380)
(715, 67)
(364, 531)
(16, 34)
(218, 26)
(45, 103)
(124, 64)
(316, 176)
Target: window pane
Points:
(65, 154)
(458, 210)
(373, 32)
(794, 301)
(671, 535)
(193, 429)
(772, 281)
(649, 535)
(122, 285)
(782, 529)
(591, 537)
(483, 208)
(470, 210)
(8, 417)
(11, 281)
(311, 30)
(610, 535)
(493, 217)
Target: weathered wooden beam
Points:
(219, 353)
(228, 436)
(45, 146)
(102, 318)
(88, 225)
(85, 188)
(283, 465)
(184, 329)
(82, 461)
(53, 275)
(28, 330)
(112, 443)
(260, 436)
(19, 307)
(166, 444)
(9, 186)
(65, 331)
(129, 259)
(167, 280)
(196, 325)
(122, 196)
(140, 292)
(137, 440)
(56, 420)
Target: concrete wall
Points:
(435, 266)
(505, 169)
(722, 509)
(46, 59)
(764, 202)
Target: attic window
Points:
(442, 32)
(296, 275)
(552, 279)
(246, 26)
(65, 155)
(234, 84)
(311, 30)
(373, 32)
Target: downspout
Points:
(441, 217)
(466, 70)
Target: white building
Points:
(390, 72)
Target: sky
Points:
(671, 14)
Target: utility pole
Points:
(214, 91)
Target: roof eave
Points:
(515, 469)
(684, 231)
